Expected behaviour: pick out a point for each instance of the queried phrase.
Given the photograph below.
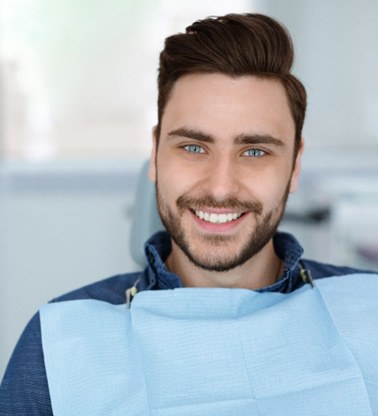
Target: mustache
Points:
(208, 201)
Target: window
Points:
(79, 81)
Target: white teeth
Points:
(217, 218)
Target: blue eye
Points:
(254, 153)
(193, 148)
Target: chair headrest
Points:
(145, 217)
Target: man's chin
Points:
(219, 262)
(222, 244)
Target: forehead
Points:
(221, 105)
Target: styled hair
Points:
(234, 45)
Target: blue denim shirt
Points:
(24, 389)
(157, 276)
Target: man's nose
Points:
(222, 179)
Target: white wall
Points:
(337, 60)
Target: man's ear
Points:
(297, 168)
(152, 169)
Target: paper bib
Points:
(217, 352)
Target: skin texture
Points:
(226, 147)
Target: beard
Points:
(220, 253)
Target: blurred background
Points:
(77, 105)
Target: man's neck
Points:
(260, 271)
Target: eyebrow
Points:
(192, 134)
(239, 139)
(258, 139)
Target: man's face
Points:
(224, 167)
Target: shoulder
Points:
(24, 388)
(111, 290)
(320, 270)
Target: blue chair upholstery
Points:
(145, 217)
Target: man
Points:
(244, 332)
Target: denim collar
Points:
(158, 248)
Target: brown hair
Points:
(234, 45)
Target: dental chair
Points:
(145, 217)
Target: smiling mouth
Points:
(214, 218)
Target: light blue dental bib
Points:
(217, 352)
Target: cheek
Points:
(176, 177)
(170, 181)
(269, 190)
